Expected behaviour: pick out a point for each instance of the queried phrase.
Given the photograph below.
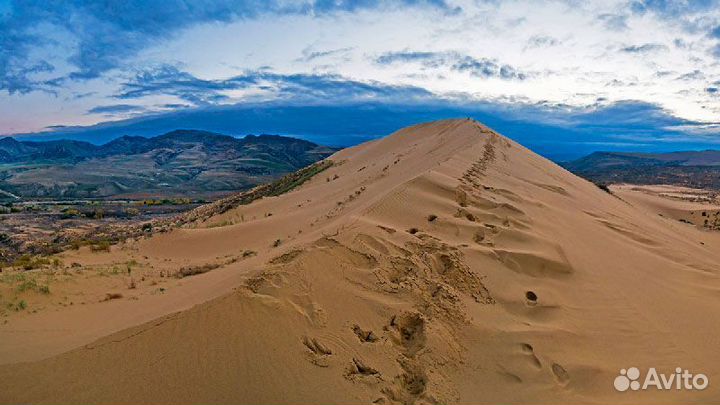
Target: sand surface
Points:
(441, 264)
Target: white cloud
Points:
(574, 52)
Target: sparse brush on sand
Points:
(442, 264)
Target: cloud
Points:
(116, 109)
(202, 53)
(432, 59)
(478, 67)
(175, 106)
(614, 22)
(694, 75)
(487, 68)
(556, 131)
(168, 80)
(309, 54)
(644, 48)
(104, 34)
(626, 114)
(538, 41)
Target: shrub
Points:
(132, 212)
(194, 270)
(101, 246)
(32, 285)
(70, 213)
(27, 262)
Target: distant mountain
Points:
(699, 169)
(181, 162)
(12, 150)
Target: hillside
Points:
(699, 169)
(443, 264)
(179, 163)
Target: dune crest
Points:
(442, 264)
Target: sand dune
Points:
(441, 264)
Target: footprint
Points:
(319, 353)
(510, 377)
(411, 330)
(463, 213)
(315, 346)
(365, 336)
(358, 368)
(528, 350)
(409, 387)
(561, 375)
(479, 236)
(531, 298)
(461, 197)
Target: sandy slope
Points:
(442, 264)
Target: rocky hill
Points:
(697, 169)
(179, 163)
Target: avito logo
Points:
(679, 380)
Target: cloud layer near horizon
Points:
(84, 62)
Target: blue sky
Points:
(563, 77)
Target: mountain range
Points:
(181, 162)
(698, 169)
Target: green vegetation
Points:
(291, 181)
(17, 306)
(167, 201)
(100, 246)
(281, 186)
(32, 285)
(68, 213)
(28, 262)
(221, 224)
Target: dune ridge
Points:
(444, 263)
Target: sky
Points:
(565, 77)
